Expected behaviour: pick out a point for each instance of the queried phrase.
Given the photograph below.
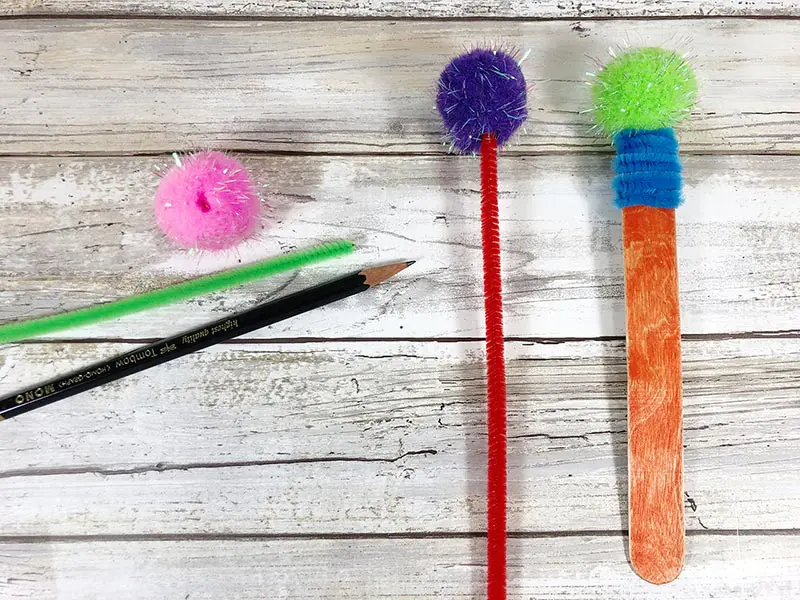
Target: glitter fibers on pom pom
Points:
(644, 88)
(480, 92)
(207, 201)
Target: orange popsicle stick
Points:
(655, 428)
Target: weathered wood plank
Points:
(548, 568)
(402, 8)
(137, 86)
(90, 221)
(399, 8)
(386, 437)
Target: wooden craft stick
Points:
(655, 439)
(639, 97)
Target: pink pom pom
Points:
(207, 202)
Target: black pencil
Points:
(192, 341)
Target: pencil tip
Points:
(375, 275)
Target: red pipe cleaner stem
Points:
(495, 374)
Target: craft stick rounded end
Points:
(658, 565)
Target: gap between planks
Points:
(417, 535)
(549, 341)
(245, 153)
(163, 467)
(111, 16)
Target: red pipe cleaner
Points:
(495, 373)
(482, 101)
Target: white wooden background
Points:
(342, 455)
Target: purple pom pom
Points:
(480, 92)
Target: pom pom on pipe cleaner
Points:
(639, 96)
(481, 92)
(482, 100)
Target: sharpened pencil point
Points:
(376, 275)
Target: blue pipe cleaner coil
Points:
(648, 169)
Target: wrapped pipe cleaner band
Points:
(482, 101)
(215, 282)
(648, 168)
(639, 96)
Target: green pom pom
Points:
(647, 88)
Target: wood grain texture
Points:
(382, 437)
(75, 232)
(401, 8)
(340, 468)
(578, 567)
(146, 86)
(655, 427)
